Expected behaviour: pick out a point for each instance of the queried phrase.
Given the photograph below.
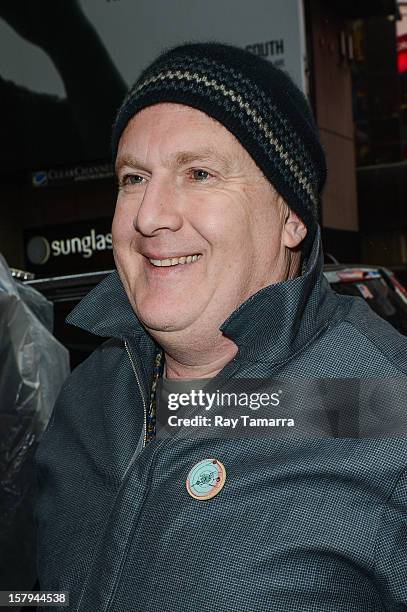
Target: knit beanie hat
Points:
(254, 100)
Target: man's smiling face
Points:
(191, 196)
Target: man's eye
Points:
(200, 175)
(131, 179)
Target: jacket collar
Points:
(272, 324)
(280, 319)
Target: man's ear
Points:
(294, 230)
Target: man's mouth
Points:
(175, 261)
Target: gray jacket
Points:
(309, 523)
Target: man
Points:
(219, 264)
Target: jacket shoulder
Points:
(109, 350)
(89, 382)
(383, 338)
(94, 370)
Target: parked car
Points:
(378, 286)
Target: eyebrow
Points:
(181, 158)
(128, 160)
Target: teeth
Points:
(174, 261)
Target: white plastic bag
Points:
(33, 366)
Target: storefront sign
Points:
(71, 174)
(69, 249)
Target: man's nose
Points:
(159, 208)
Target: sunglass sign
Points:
(69, 249)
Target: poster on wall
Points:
(73, 62)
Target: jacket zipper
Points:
(140, 389)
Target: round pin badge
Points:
(206, 479)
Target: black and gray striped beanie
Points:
(255, 101)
